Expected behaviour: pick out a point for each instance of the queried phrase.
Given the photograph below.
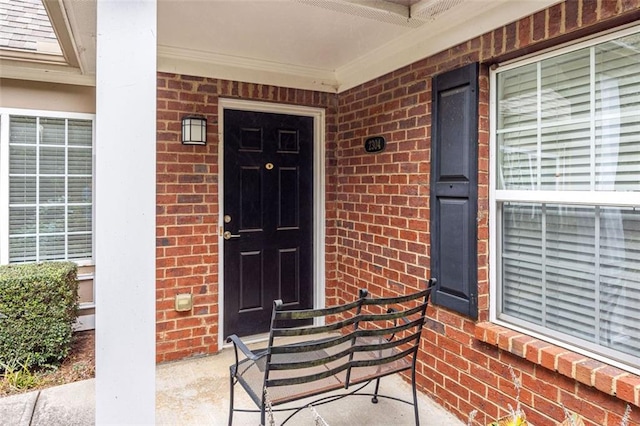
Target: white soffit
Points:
(325, 45)
(294, 43)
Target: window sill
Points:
(605, 378)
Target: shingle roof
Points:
(25, 25)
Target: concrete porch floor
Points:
(196, 392)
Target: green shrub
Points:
(39, 304)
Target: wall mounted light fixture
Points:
(194, 130)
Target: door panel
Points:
(268, 199)
(251, 210)
(289, 277)
(251, 281)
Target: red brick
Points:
(519, 344)
(605, 401)
(539, 417)
(585, 371)
(567, 363)
(608, 9)
(571, 10)
(628, 388)
(498, 41)
(549, 357)
(473, 384)
(175, 84)
(533, 353)
(605, 378)
(630, 5)
(511, 36)
(505, 338)
(589, 12)
(539, 25)
(540, 387)
(555, 20)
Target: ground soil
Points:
(79, 365)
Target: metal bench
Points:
(359, 342)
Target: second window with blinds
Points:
(48, 173)
(566, 192)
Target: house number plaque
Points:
(374, 144)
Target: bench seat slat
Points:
(296, 380)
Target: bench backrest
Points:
(368, 338)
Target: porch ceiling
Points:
(327, 45)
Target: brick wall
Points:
(382, 230)
(187, 249)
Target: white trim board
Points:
(318, 115)
(85, 322)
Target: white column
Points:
(125, 211)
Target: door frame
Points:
(318, 115)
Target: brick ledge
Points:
(588, 371)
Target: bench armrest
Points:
(254, 356)
(239, 344)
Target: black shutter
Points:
(454, 189)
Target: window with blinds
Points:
(50, 189)
(567, 195)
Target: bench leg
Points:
(415, 394)
(375, 392)
(230, 399)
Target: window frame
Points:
(5, 114)
(578, 198)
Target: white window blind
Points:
(569, 124)
(50, 189)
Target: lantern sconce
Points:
(194, 130)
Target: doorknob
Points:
(227, 235)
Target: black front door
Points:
(268, 217)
